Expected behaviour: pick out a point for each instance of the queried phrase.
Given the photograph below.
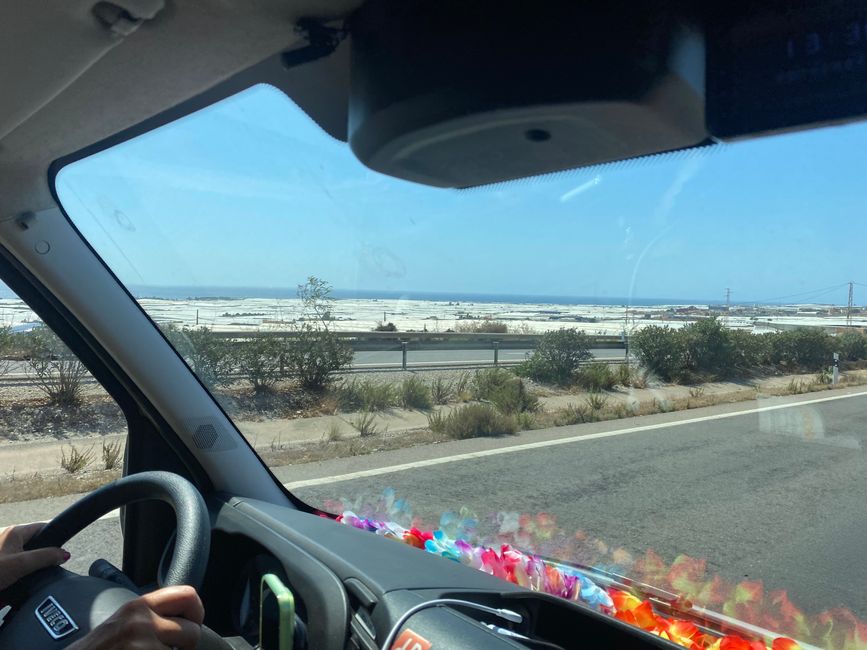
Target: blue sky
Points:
(250, 192)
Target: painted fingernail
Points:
(65, 554)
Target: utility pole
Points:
(728, 304)
(850, 304)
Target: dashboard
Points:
(352, 587)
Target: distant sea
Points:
(234, 293)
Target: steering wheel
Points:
(53, 608)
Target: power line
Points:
(812, 293)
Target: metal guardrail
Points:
(25, 380)
(406, 342)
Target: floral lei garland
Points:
(835, 629)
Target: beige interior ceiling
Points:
(69, 78)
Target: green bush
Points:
(504, 390)
(661, 350)
(473, 421)
(557, 358)
(313, 354)
(211, 357)
(750, 350)
(624, 375)
(701, 350)
(365, 395)
(441, 390)
(807, 348)
(597, 376)
(852, 346)
(482, 327)
(259, 360)
(707, 348)
(413, 393)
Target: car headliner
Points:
(68, 80)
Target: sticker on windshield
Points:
(55, 619)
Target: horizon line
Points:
(204, 291)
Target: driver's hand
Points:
(167, 618)
(15, 562)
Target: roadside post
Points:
(836, 371)
(403, 354)
(496, 353)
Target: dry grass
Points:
(38, 486)
(333, 433)
(112, 454)
(366, 424)
(346, 447)
(77, 460)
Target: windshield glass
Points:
(650, 370)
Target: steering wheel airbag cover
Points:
(193, 536)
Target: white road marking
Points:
(325, 480)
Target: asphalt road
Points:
(379, 359)
(777, 495)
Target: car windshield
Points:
(646, 375)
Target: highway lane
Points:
(777, 496)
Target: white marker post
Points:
(836, 378)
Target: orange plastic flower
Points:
(623, 600)
(644, 616)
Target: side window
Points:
(61, 434)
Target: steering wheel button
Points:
(54, 618)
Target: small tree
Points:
(558, 357)
(55, 370)
(314, 352)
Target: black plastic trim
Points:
(318, 586)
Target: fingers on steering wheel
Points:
(177, 632)
(17, 536)
(15, 567)
(180, 601)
